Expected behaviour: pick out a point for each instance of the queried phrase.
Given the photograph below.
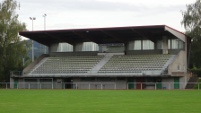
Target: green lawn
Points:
(100, 101)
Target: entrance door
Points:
(140, 83)
(158, 83)
(68, 83)
(176, 83)
(131, 83)
(15, 83)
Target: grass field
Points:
(100, 101)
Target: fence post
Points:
(89, 86)
(6, 85)
(198, 86)
(29, 85)
(115, 86)
(155, 86)
(39, 85)
(141, 85)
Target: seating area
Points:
(119, 64)
(135, 63)
(68, 64)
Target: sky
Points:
(70, 14)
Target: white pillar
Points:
(165, 45)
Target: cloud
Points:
(80, 13)
(57, 6)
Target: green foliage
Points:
(96, 101)
(198, 86)
(192, 23)
(196, 71)
(191, 17)
(12, 48)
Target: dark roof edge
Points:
(101, 28)
(177, 31)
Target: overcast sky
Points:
(67, 14)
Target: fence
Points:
(101, 85)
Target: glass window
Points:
(90, 46)
(137, 45)
(175, 44)
(147, 45)
(65, 47)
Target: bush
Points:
(199, 83)
(196, 72)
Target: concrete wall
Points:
(94, 85)
(168, 83)
(130, 45)
(37, 83)
(143, 52)
(30, 66)
(54, 47)
(78, 46)
(11, 82)
(112, 49)
(165, 45)
(81, 53)
(58, 83)
(179, 65)
(121, 84)
(117, 84)
(183, 81)
(33, 83)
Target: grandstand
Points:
(135, 57)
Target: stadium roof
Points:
(101, 35)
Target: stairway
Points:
(105, 59)
(192, 82)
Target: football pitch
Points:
(100, 101)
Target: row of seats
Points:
(69, 64)
(132, 63)
(116, 64)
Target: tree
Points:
(12, 48)
(192, 23)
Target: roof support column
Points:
(165, 45)
(78, 46)
(54, 47)
(129, 45)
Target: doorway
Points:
(140, 83)
(131, 83)
(16, 83)
(68, 83)
(176, 83)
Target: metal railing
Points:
(100, 85)
(16, 73)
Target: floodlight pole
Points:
(45, 28)
(44, 21)
(32, 19)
